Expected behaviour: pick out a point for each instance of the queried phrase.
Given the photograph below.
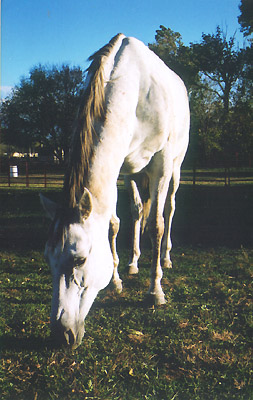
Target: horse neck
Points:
(104, 173)
(115, 137)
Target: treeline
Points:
(40, 112)
(218, 76)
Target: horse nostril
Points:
(70, 337)
(60, 337)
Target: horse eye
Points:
(79, 261)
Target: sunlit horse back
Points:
(134, 117)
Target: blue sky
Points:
(53, 32)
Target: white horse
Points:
(134, 118)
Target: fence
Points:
(218, 176)
(19, 173)
(27, 174)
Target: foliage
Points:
(245, 19)
(241, 124)
(218, 60)
(218, 76)
(42, 109)
(170, 48)
(227, 71)
(205, 127)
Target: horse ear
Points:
(85, 204)
(49, 206)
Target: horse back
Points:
(153, 102)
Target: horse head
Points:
(81, 265)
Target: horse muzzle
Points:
(62, 336)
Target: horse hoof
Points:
(166, 264)
(132, 269)
(153, 299)
(118, 286)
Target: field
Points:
(197, 346)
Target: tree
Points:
(206, 132)
(42, 109)
(246, 17)
(219, 61)
(170, 48)
(241, 112)
(223, 67)
(205, 108)
(215, 72)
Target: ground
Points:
(197, 346)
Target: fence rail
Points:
(45, 175)
(31, 174)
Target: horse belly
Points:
(141, 153)
(135, 163)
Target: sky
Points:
(56, 32)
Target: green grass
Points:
(197, 346)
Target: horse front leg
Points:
(113, 231)
(159, 185)
(156, 230)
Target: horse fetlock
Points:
(156, 293)
(116, 262)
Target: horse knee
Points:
(155, 226)
(114, 226)
(113, 231)
(137, 211)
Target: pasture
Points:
(196, 346)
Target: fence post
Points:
(45, 176)
(27, 174)
(9, 174)
(194, 175)
(227, 176)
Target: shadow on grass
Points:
(31, 343)
(205, 215)
(9, 342)
(116, 303)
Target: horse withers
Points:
(133, 119)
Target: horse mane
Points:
(84, 139)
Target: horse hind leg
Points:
(113, 231)
(156, 230)
(135, 253)
(137, 213)
(169, 211)
(155, 225)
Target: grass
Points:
(197, 346)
